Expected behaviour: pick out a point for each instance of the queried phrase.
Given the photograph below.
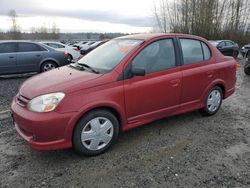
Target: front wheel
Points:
(70, 58)
(213, 102)
(48, 66)
(95, 132)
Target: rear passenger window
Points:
(157, 56)
(28, 47)
(206, 51)
(194, 51)
(7, 47)
(54, 45)
(228, 43)
(222, 44)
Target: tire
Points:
(70, 58)
(49, 65)
(88, 134)
(247, 70)
(235, 54)
(212, 102)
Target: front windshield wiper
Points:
(89, 67)
(77, 66)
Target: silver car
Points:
(26, 56)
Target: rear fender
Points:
(211, 85)
(49, 59)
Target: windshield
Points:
(106, 57)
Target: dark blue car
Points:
(25, 56)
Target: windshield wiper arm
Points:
(77, 66)
(88, 67)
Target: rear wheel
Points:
(95, 132)
(49, 65)
(247, 70)
(213, 102)
(235, 54)
(70, 58)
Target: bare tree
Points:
(211, 19)
(15, 30)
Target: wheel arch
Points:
(219, 83)
(110, 107)
(222, 88)
(48, 60)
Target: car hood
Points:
(64, 79)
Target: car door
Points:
(222, 47)
(157, 93)
(198, 71)
(8, 58)
(29, 56)
(229, 48)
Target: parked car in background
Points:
(26, 56)
(128, 82)
(73, 52)
(245, 49)
(247, 63)
(86, 45)
(78, 44)
(226, 47)
(92, 47)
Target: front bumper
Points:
(43, 131)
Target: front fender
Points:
(88, 107)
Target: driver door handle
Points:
(175, 82)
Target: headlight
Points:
(45, 103)
(243, 48)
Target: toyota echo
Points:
(125, 83)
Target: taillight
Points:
(237, 66)
(76, 49)
(65, 54)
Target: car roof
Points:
(221, 41)
(149, 36)
(50, 42)
(4, 41)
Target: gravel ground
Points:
(182, 151)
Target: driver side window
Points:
(157, 56)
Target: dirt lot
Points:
(182, 151)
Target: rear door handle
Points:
(175, 82)
(11, 57)
(38, 55)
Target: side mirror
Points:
(138, 71)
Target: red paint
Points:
(138, 100)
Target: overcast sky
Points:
(80, 15)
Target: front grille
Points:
(22, 101)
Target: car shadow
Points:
(126, 140)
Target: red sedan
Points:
(127, 82)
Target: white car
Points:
(73, 52)
(87, 45)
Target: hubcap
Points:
(48, 67)
(214, 100)
(97, 133)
